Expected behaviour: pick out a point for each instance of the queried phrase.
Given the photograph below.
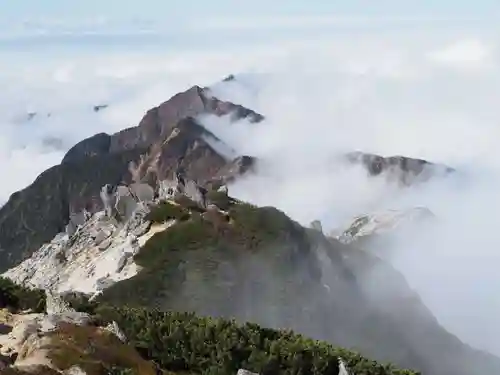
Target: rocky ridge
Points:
(97, 250)
(400, 169)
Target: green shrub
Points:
(257, 227)
(188, 203)
(80, 302)
(20, 298)
(183, 342)
(220, 199)
(167, 211)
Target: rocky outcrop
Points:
(64, 342)
(365, 227)
(401, 169)
(99, 254)
(99, 249)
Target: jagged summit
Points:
(402, 169)
(150, 150)
(158, 123)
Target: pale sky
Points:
(177, 11)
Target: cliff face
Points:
(401, 169)
(36, 214)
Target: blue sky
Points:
(49, 19)
(161, 9)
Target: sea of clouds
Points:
(426, 92)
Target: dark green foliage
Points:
(188, 203)
(183, 342)
(19, 298)
(220, 199)
(166, 211)
(257, 227)
(80, 302)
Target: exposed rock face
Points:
(96, 145)
(235, 168)
(403, 169)
(98, 255)
(57, 343)
(159, 121)
(33, 216)
(368, 226)
(115, 329)
(168, 132)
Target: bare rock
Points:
(122, 261)
(96, 145)
(143, 192)
(104, 245)
(403, 169)
(316, 225)
(125, 203)
(104, 283)
(384, 222)
(115, 329)
(55, 304)
(141, 229)
(100, 237)
(343, 368)
(75, 370)
(245, 372)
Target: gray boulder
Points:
(143, 192)
(108, 197)
(316, 225)
(167, 189)
(245, 372)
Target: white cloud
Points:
(467, 53)
(393, 100)
(377, 92)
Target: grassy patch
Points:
(220, 199)
(166, 211)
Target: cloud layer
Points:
(422, 93)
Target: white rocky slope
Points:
(382, 222)
(97, 255)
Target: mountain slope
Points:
(58, 338)
(255, 264)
